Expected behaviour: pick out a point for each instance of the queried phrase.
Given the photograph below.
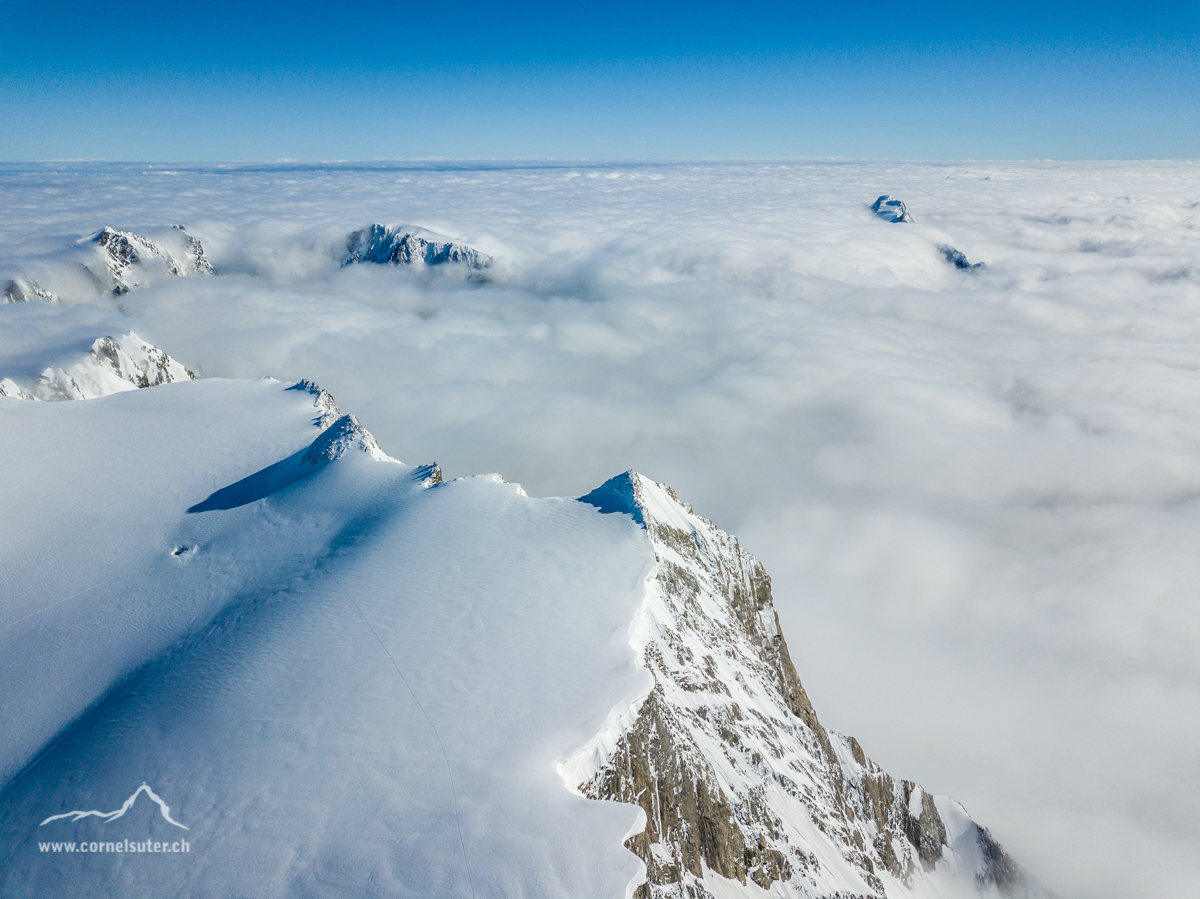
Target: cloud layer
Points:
(977, 492)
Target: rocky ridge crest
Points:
(740, 784)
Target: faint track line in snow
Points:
(445, 758)
(59, 603)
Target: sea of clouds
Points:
(978, 494)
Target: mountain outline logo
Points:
(117, 813)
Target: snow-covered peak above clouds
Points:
(403, 245)
(113, 365)
(363, 684)
(890, 209)
(23, 289)
(740, 783)
(125, 260)
(109, 262)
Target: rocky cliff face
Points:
(113, 364)
(741, 785)
(400, 245)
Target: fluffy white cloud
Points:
(977, 492)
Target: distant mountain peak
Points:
(112, 365)
(406, 245)
(23, 289)
(128, 260)
(958, 259)
(890, 209)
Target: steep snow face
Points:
(741, 785)
(126, 260)
(890, 209)
(113, 365)
(402, 245)
(343, 677)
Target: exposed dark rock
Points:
(726, 753)
(958, 259)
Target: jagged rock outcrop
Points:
(327, 408)
(958, 259)
(113, 365)
(736, 775)
(23, 289)
(401, 245)
(890, 209)
(126, 261)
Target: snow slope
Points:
(344, 677)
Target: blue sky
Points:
(615, 80)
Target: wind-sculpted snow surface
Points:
(739, 781)
(348, 680)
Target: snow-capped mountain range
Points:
(261, 549)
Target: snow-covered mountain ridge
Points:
(739, 781)
(111, 262)
(113, 365)
(242, 549)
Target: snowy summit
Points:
(298, 630)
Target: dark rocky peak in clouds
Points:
(958, 259)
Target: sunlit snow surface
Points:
(975, 492)
(377, 678)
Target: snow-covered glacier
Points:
(331, 674)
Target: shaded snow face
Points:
(974, 492)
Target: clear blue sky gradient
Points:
(1062, 79)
